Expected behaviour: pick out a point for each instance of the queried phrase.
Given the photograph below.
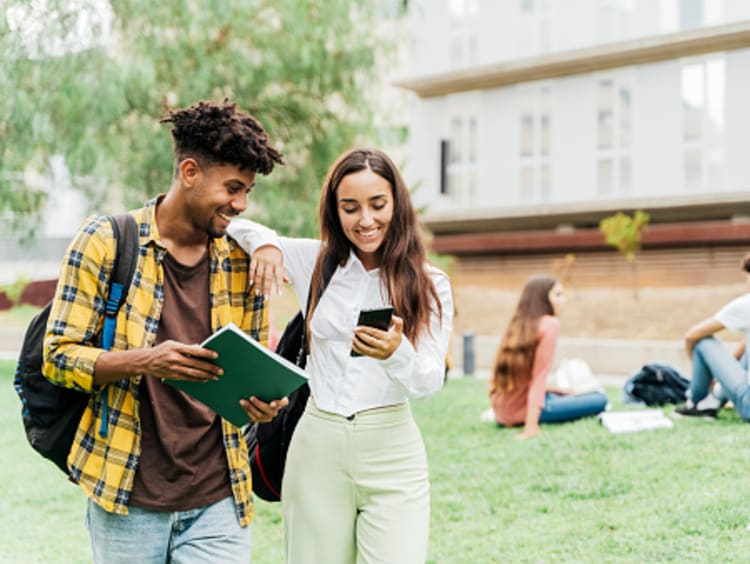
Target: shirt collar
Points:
(152, 231)
(353, 263)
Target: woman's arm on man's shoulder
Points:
(275, 260)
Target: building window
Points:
(697, 13)
(534, 27)
(464, 39)
(457, 139)
(534, 182)
(691, 13)
(613, 137)
(614, 20)
(462, 156)
(703, 106)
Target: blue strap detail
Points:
(110, 319)
(103, 430)
(108, 333)
(113, 301)
(108, 339)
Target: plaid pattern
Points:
(105, 467)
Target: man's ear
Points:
(190, 172)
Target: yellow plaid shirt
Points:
(105, 467)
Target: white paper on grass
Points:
(635, 420)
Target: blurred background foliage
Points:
(89, 80)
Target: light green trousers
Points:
(356, 490)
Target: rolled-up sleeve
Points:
(251, 235)
(420, 370)
(76, 317)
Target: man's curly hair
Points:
(221, 134)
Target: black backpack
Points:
(656, 384)
(268, 443)
(51, 413)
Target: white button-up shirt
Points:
(340, 383)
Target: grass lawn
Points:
(574, 494)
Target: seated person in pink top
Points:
(518, 389)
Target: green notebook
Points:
(250, 369)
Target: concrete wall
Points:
(605, 356)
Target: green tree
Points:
(305, 68)
(624, 233)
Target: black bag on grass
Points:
(51, 413)
(656, 384)
(268, 443)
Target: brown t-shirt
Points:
(183, 464)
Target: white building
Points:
(534, 119)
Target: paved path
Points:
(10, 342)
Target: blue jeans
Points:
(712, 360)
(206, 534)
(558, 409)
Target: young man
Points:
(167, 479)
(712, 360)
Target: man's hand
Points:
(261, 412)
(169, 359)
(179, 361)
(376, 343)
(267, 274)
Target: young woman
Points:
(356, 485)
(518, 388)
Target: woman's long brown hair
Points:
(402, 253)
(515, 357)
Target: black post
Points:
(469, 353)
(444, 156)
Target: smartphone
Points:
(379, 318)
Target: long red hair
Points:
(515, 356)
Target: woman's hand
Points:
(527, 434)
(376, 343)
(267, 272)
(531, 425)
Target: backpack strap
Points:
(125, 233)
